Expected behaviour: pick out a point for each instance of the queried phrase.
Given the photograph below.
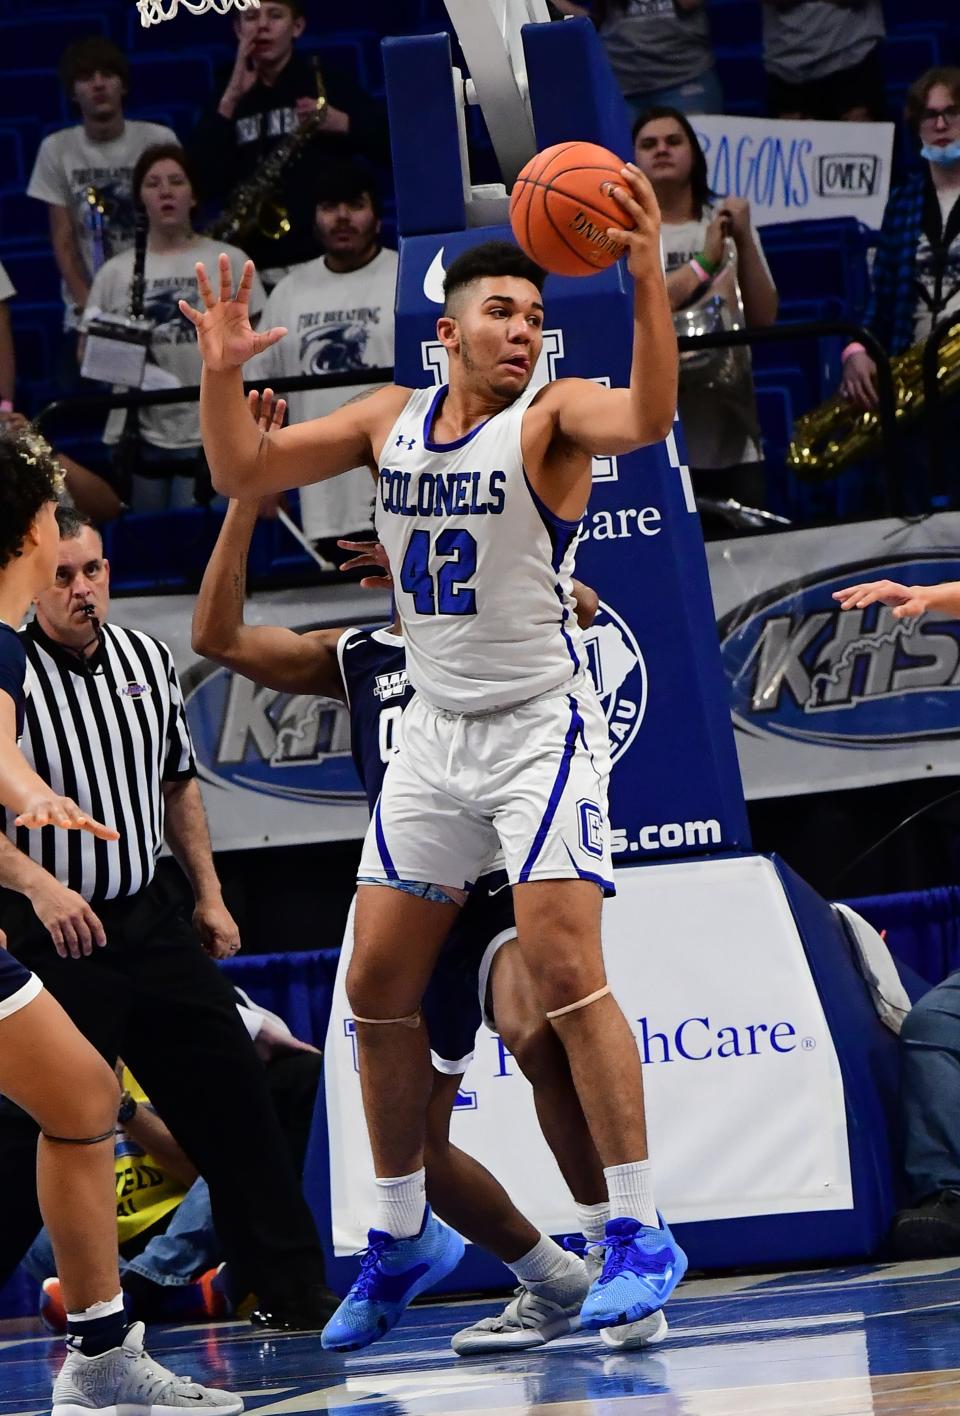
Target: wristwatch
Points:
(128, 1109)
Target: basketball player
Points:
(480, 975)
(907, 601)
(46, 1067)
(482, 486)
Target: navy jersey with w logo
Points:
(373, 664)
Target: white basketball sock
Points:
(631, 1192)
(548, 1269)
(593, 1221)
(401, 1201)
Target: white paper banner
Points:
(799, 171)
(823, 698)
(708, 966)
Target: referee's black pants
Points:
(153, 997)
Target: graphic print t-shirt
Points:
(169, 276)
(69, 164)
(337, 324)
(652, 44)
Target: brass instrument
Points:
(252, 206)
(837, 432)
(95, 221)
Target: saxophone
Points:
(837, 432)
(252, 207)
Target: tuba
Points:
(252, 208)
(836, 433)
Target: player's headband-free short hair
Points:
(86, 56)
(30, 476)
(489, 258)
(347, 182)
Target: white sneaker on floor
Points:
(126, 1381)
(529, 1320)
(627, 1337)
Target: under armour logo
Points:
(405, 442)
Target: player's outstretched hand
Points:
(907, 601)
(225, 335)
(370, 553)
(637, 198)
(52, 810)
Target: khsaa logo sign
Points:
(620, 676)
(295, 746)
(799, 667)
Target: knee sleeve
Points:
(580, 1003)
(412, 1020)
(80, 1140)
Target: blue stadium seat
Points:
(32, 93)
(42, 43)
(34, 273)
(158, 80)
(907, 54)
(816, 259)
(735, 24)
(744, 81)
(12, 175)
(22, 220)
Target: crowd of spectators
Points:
(288, 165)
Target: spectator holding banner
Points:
(717, 277)
(822, 59)
(660, 51)
(915, 278)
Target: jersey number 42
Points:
(447, 592)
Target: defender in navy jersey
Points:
(46, 1066)
(482, 487)
(480, 973)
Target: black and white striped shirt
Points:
(106, 731)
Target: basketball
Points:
(562, 204)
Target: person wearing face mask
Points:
(915, 279)
(169, 434)
(339, 311)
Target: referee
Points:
(105, 724)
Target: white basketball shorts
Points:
(531, 779)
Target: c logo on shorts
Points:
(591, 828)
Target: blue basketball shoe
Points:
(392, 1273)
(642, 1266)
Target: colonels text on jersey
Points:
(482, 569)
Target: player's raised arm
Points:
(609, 422)
(245, 462)
(907, 601)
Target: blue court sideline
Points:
(863, 1341)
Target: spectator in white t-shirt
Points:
(84, 173)
(823, 60)
(660, 51)
(339, 313)
(169, 433)
(711, 249)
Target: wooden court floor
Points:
(839, 1342)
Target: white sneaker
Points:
(529, 1320)
(126, 1381)
(627, 1337)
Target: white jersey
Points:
(482, 569)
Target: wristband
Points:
(711, 267)
(128, 1109)
(6, 406)
(850, 350)
(702, 275)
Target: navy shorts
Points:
(454, 1004)
(18, 986)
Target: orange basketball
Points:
(562, 204)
